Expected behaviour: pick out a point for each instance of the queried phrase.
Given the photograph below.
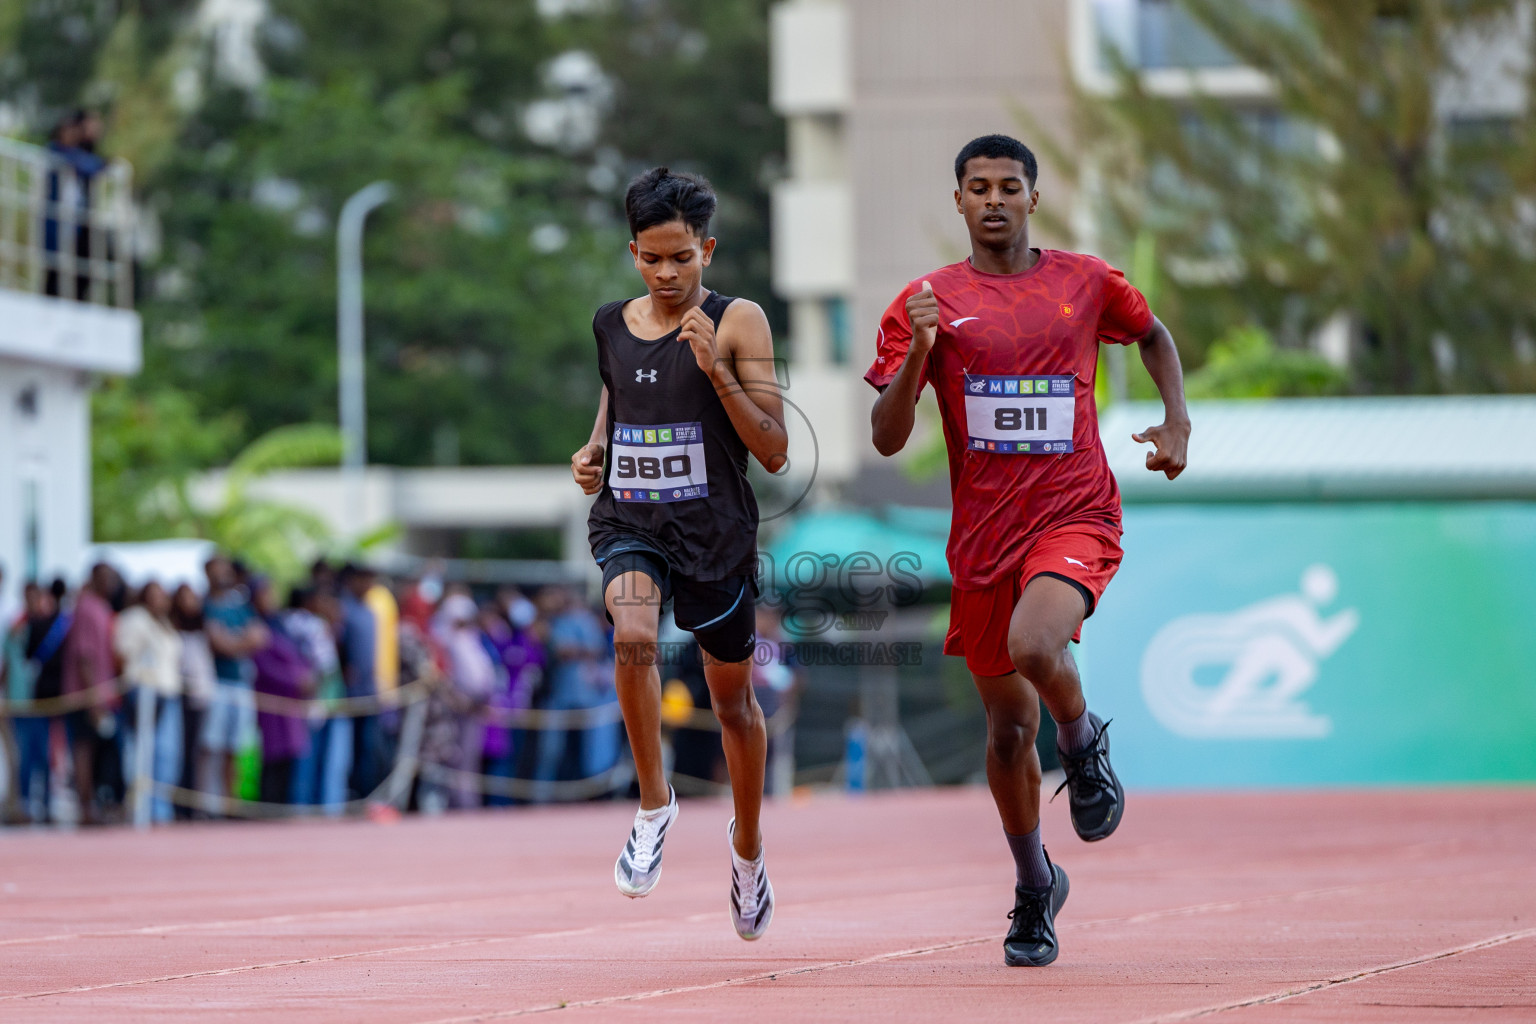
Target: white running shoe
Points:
(751, 892)
(639, 866)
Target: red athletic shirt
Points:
(1014, 471)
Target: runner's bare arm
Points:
(892, 418)
(740, 364)
(587, 463)
(1170, 439)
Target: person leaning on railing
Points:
(73, 145)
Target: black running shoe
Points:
(1097, 798)
(1031, 940)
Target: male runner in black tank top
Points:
(688, 391)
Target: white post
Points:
(144, 757)
(349, 339)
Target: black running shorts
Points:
(721, 614)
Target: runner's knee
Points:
(1035, 658)
(1012, 727)
(1010, 737)
(632, 631)
(738, 712)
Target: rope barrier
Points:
(394, 790)
(552, 718)
(78, 700)
(288, 707)
(340, 707)
(552, 790)
(371, 704)
(408, 768)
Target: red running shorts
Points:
(1084, 556)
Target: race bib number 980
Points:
(664, 462)
(1019, 415)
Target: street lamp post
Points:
(349, 339)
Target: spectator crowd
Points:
(228, 663)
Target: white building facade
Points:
(51, 349)
(877, 97)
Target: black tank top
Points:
(676, 470)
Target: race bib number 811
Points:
(1019, 415)
(664, 462)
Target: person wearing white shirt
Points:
(151, 653)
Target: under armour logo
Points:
(640, 375)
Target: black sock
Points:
(1033, 871)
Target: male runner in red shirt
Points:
(1009, 339)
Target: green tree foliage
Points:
(692, 93)
(278, 539)
(145, 448)
(1246, 364)
(52, 50)
(1358, 187)
(480, 277)
(510, 134)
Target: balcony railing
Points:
(62, 234)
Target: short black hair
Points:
(993, 146)
(660, 196)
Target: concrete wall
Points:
(927, 79)
(878, 96)
(48, 350)
(495, 497)
(45, 495)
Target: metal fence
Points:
(62, 234)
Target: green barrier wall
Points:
(1297, 645)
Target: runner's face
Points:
(996, 200)
(671, 259)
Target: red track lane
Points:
(1378, 906)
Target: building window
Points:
(837, 330)
(31, 532)
(1158, 34)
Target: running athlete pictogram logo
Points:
(640, 375)
(1270, 652)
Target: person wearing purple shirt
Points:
(281, 671)
(522, 657)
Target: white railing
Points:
(61, 235)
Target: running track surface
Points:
(1339, 906)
